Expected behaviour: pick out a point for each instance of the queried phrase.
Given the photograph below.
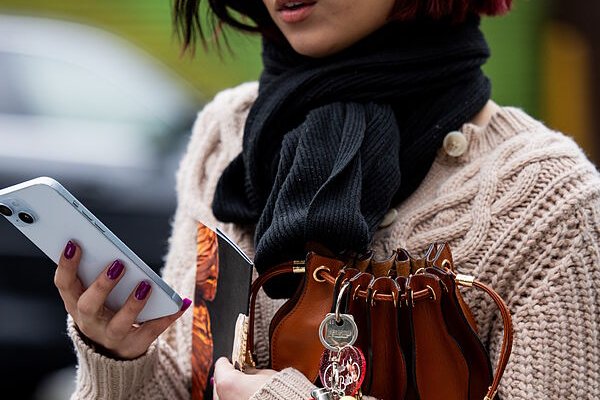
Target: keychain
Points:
(342, 365)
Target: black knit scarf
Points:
(331, 143)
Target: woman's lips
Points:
(295, 10)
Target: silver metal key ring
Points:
(345, 286)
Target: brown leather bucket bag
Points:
(418, 335)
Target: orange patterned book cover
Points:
(223, 278)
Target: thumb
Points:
(150, 330)
(222, 368)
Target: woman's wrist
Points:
(98, 348)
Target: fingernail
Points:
(142, 290)
(115, 270)
(212, 378)
(186, 304)
(69, 250)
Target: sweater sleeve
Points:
(288, 384)
(555, 305)
(164, 372)
(151, 376)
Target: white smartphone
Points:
(48, 215)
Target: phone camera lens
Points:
(25, 217)
(5, 210)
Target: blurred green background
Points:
(147, 23)
(519, 67)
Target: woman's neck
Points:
(484, 116)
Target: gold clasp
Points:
(465, 280)
(298, 267)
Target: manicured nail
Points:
(142, 290)
(186, 304)
(212, 378)
(70, 249)
(115, 269)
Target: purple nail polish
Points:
(115, 269)
(142, 290)
(70, 249)
(212, 379)
(186, 304)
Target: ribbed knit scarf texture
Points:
(331, 143)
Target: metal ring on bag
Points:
(355, 293)
(446, 264)
(410, 297)
(432, 292)
(372, 296)
(319, 269)
(345, 286)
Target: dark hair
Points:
(455, 10)
(252, 16)
(244, 15)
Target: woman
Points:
(371, 126)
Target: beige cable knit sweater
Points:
(520, 208)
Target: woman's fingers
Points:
(113, 331)
(231, 384)
(226, 378)
(128, 342)
(121, 323)
(65, 276)
(91, 302)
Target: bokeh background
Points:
(99, 95)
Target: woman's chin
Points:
(321, 42)
(315, 49)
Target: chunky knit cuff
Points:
(288, 384)
(101, 377)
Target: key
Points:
(342, 365)
(321, 394)
(337, 334)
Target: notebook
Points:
(223, 279)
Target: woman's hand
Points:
(113, 331)
(231, 384)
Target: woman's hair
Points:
(245, 15)
(252, 16)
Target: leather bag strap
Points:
(281, 269)
(507, 339)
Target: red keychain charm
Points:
(343, 371)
